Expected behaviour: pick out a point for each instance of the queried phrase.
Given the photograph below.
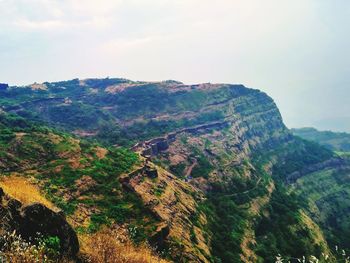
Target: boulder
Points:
(158, 239)
(36, 220)
(150, 172)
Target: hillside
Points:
(328, 189)
(204, 173)
(123, 112)
(40, 165)
(336, 141)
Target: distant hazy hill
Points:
(337, 141)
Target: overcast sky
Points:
(297, 50)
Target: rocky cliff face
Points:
(138, 110)
(175, 203)
(214, 165)
(35, 221)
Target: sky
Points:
(297, 51)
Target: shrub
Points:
(15, 249)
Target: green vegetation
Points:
(336, 141)
(178, 169)
(279, 229)
(323, 193)
(282, 231)
(227, 223)
(72, 174)
(51, 245)
(328, 192)
(144, 130)
(71, 105)
(293, 156)
(16, 249)
(251, 192)
(203, 166)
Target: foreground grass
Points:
(108, 246)
(23, 190)
(104, 246)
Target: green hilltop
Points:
(203, 173)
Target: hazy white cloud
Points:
(45, 15)
(38, 25)
(297, 51)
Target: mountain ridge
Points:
(336, 141)
(207, 164)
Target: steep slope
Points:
(78, 178)
(213, 179)
(326, 187)
(176, 204)
(328, 192)
(317, 177)
(241, 190)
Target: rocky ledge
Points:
(34, 221)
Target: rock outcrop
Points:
(34, 221)
(157, 145)
(174, 203)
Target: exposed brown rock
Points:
(84, 184)
(173, 201)
(37, 86)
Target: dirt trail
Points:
(247, 191)
(189, 170)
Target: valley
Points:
(202, 173)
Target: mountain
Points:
(204, 173)
(70, 176)
(336, 141)
(339, 123)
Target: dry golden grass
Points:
(23, 190)
(101, 247)
(105, 246)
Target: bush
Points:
(15, 249)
